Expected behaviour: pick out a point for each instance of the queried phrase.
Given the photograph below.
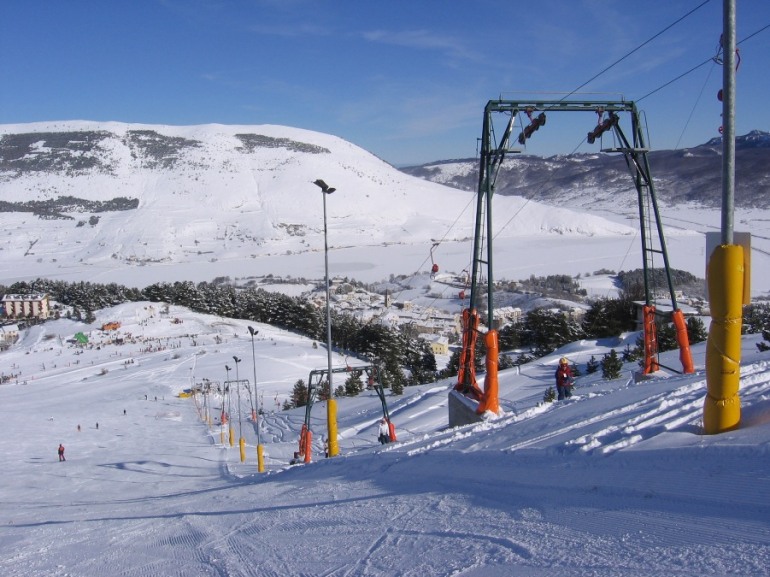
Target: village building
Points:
(507, 315)
(26, 306)
(438, 344)
(8, 335)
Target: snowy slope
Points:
(616, 481)
(212, 196)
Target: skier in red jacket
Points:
(61, 452)
(564, 379)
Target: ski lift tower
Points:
(613, 116)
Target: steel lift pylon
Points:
(612, 114)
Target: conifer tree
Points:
(299, 394)
(611, 365)
(353, 384)
(696, 331)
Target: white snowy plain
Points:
(617, 481)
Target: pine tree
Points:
(696, 331)
(299, 394)
(504, 362)
(611, 365)
(763, 346)
(353, 384)
(666, 337)
(592, 365)
(550, 395)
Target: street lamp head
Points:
(253, 331)
(227, 368)
(236, 359)
(325, 188)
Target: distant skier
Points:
(383, 432)
(564, 379)
(61, 452)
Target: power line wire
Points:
(618, 61)
(694, 68)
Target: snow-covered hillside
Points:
(616, 481)
(211, 197)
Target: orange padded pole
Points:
(650, 341)
(685, 355)
(490, 400)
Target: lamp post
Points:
(248, 388)
(238, 385)
(225, 418)
(241, 440)
(228, 392)
(225, 396)
(331, 405)
(260, 457)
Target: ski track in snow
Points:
(616, 481)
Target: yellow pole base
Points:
(721, 415)
(242, 446)
(232, 437)
(260, 459)
(331, 417)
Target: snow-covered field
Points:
(616, 481)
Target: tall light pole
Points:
(238, 384)
(331, 405)
(228, 392)
(260, 454)
(241, 440)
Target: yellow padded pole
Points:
(725, 275)
(260, 459)
(331, 415)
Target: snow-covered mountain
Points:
(137, 204)
(690, 176)
(104, 196)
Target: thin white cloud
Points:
(290, 30)
(420, 39)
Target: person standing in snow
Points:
(61, 452)
(564, 379)
(383, 432)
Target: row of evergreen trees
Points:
(404, 359)
(544, 330)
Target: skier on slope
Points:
(383, 432)
(564, 379)
(61, 452)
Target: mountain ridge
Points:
(682, 176)
(85, 194)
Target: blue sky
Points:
(406, 80)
